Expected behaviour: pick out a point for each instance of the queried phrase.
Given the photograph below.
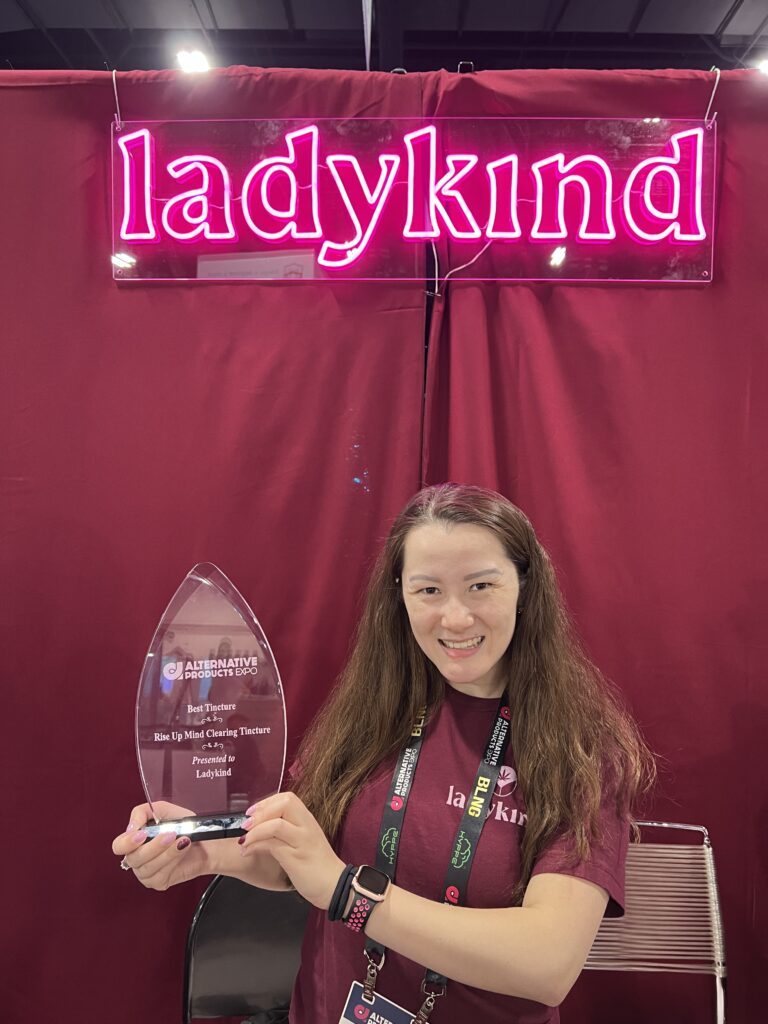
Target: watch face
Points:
(373, 880)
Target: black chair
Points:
(243, 952)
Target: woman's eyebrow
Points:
(483, 572)
(471, 576)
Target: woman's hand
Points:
(282, 826)
(168, 859)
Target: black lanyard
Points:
(464, 844)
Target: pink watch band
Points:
(359, 912)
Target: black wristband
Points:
(343, 899)
(338, 903)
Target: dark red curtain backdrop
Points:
(147, 428)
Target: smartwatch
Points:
(370, 887)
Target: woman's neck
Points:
(490, 690)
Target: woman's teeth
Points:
(462, 645)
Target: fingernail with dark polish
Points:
(241, 840)
(183, 843)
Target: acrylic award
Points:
(210, 714)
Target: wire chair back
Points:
(672, 921)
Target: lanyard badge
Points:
(379, 1009)
(462, 856)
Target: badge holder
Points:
(364, 1003)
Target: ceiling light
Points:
(763, 66)
(193, 60)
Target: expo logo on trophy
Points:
(213, 668)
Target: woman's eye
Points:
(429, 591)
(481, 586)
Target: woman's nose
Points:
(456, 615)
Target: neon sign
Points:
(620, 200)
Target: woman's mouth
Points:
(461, 648)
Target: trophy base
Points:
(198, 829)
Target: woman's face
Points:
(461, 591)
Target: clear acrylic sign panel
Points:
(363, 199)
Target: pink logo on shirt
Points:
(506, 782)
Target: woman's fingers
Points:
(128, 842)
(137, 852)
(276, 828)
(282, 826)
(138, 818)
(148, 853)
(281, 805)
(164, 860)
(155, 863)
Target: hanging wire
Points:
(118, 117)
(469, 264)
(708, 122)
(436, 292)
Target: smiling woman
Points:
(470, 753)
(463, 625)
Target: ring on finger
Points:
(125, 865)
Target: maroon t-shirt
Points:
(332, 955)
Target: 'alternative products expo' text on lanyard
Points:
(464, 844)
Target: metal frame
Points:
(673, 921)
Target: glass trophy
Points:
(210, 714)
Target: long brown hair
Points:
(571, 735)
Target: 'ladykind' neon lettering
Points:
(288, 196)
